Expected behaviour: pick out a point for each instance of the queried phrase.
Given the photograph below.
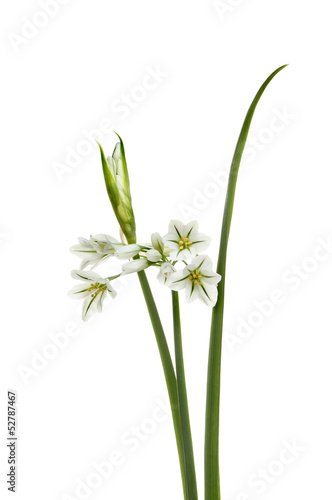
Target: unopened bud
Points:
(118, 189)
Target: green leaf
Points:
(212, 481)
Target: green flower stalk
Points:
(118, 189)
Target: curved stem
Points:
(168, 370)
(191, 486)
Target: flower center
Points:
(96, 288)
(184, 243)
(196, 277)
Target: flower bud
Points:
(157, 242)
(118, 189)
(134, 266)
(153, 255)
(127, 251)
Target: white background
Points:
(68, 77)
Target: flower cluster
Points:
(181, 243)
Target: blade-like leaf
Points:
(212, 482)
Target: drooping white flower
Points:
(166, 271)
(184, 240)
(95, 250)
(134, 266)
(92, 290)
(153, 255)
(103, 243)
(127, 251)
(198, 280)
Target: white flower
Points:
(157, 242)
(153, 255)
(103, 243)
(134, 266)
(184, 240)
(198, 280)
(127, 251)
(166, 271)
(95, 250)
(92, 291)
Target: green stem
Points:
(212, 481)
(191, 486)
(168, 370)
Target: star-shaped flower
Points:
(184, 240)
(92, 290)
(198, 280)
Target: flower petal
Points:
(181, 254)
(100, 299)
(83, 241)
(209, 277)
(80, 249)
(111, 290)
(199, 262)
(95, 262)
(104, 238)
(208, 294)
(190, 229)
(90, 305)
(201, 243)
(79, 291)
(178, 280)
(87, 276)
(192, 292)
(176, 227)
(171, 243)
(157, 242)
